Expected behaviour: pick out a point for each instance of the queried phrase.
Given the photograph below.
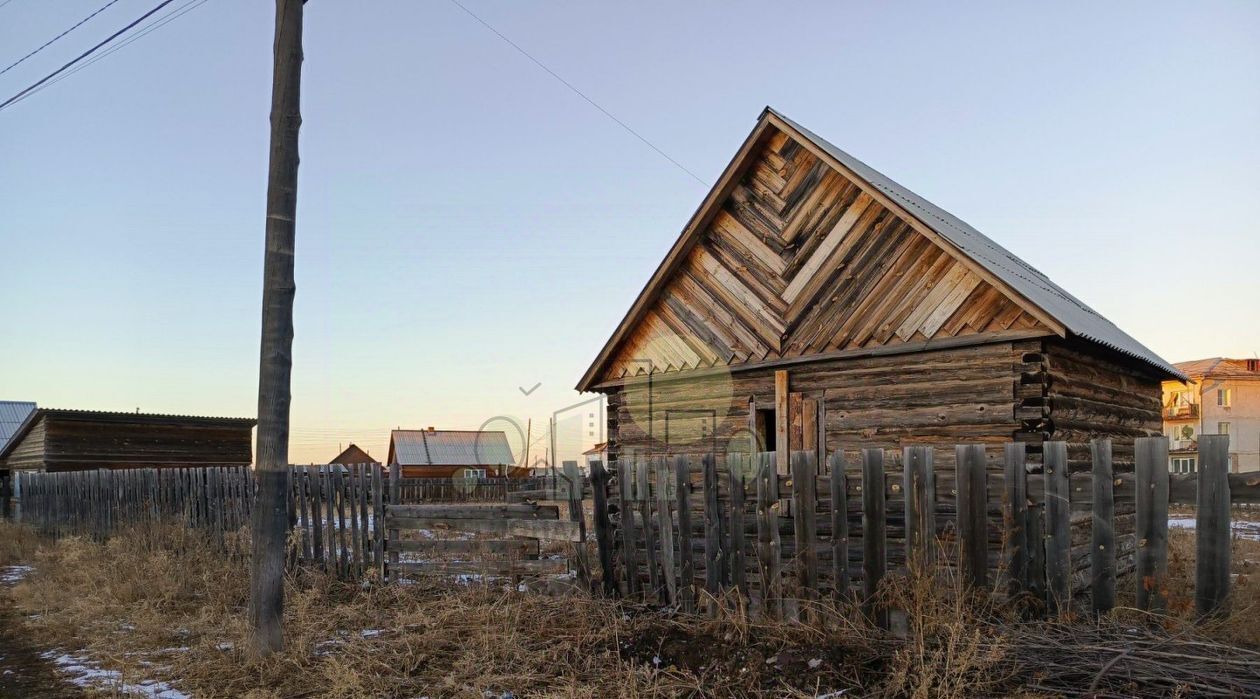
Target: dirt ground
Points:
(24, 673)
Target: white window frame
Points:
(1222, 428)
(1224, 397)
(472, 474)
(1184, 464)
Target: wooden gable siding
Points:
(799, 260)
(966, 394)
(28, 453)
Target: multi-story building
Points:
(1221, 397)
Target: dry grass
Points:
(1239, 625)
(168, 606)
(17, 543)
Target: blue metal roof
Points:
(12, 415)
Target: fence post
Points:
(839, 525)
(920, 492)
(715, 557)
(973, 499)
(1212, 527)
(1058, 531)
(395, 497)
(1151, 495)
(805, 525)
(644, 494)
(603, 526)
(378, 521)
(629, 537)
(574, 477)
(1102, 551)
(768, 536)
(666, 526)
(737, 466)
(687, 570)
(874, 545)
(1015, 518)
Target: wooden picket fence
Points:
(439, 539)
(783, 535)
(99, 502)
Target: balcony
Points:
(1177, 412)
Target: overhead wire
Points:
(53, 40)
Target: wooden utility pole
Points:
(271, 511)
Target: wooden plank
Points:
(1151, 500)
(603, 526)
(687, 569)
(395, 495)
(874, 544)
(920, 493)
(543, 566)
(973, 498)
(365, 504)
(665, 525)
(1036, 524)
(317, 524)
(378, 521)
(715, 558)
(1212, 528)
(839, 525)
(520, 548)
(781, 426)
(1058, 530)
(541, 528)
(1102, 549)
(1015, 518)
(356, 540)
(735, 473)
(804, 513)
(768, 537)
(478, 511)
(629, 535)
(644, 495)
(574, 496)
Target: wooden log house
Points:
(811, 302)
(71, 440)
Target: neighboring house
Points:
(811, 296)
(353, 455)
(12, 415)
(460, 454)
(599, 453)
(1222, 396)
(68, 440)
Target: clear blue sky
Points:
(468, 226)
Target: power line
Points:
(85, 54)
(6, 2)
(55, 38)
(579, 93)
(144, 31)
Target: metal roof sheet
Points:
(1068, 310)
(450, 448)
(12, 414)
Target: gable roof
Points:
(1218, 367)
(12, 415)
(353, 455)
(1055, 308)
(449, 448)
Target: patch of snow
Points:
(814, 663)
(1241, 529)
(12, 575)
(87, 674)
(371, 633)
